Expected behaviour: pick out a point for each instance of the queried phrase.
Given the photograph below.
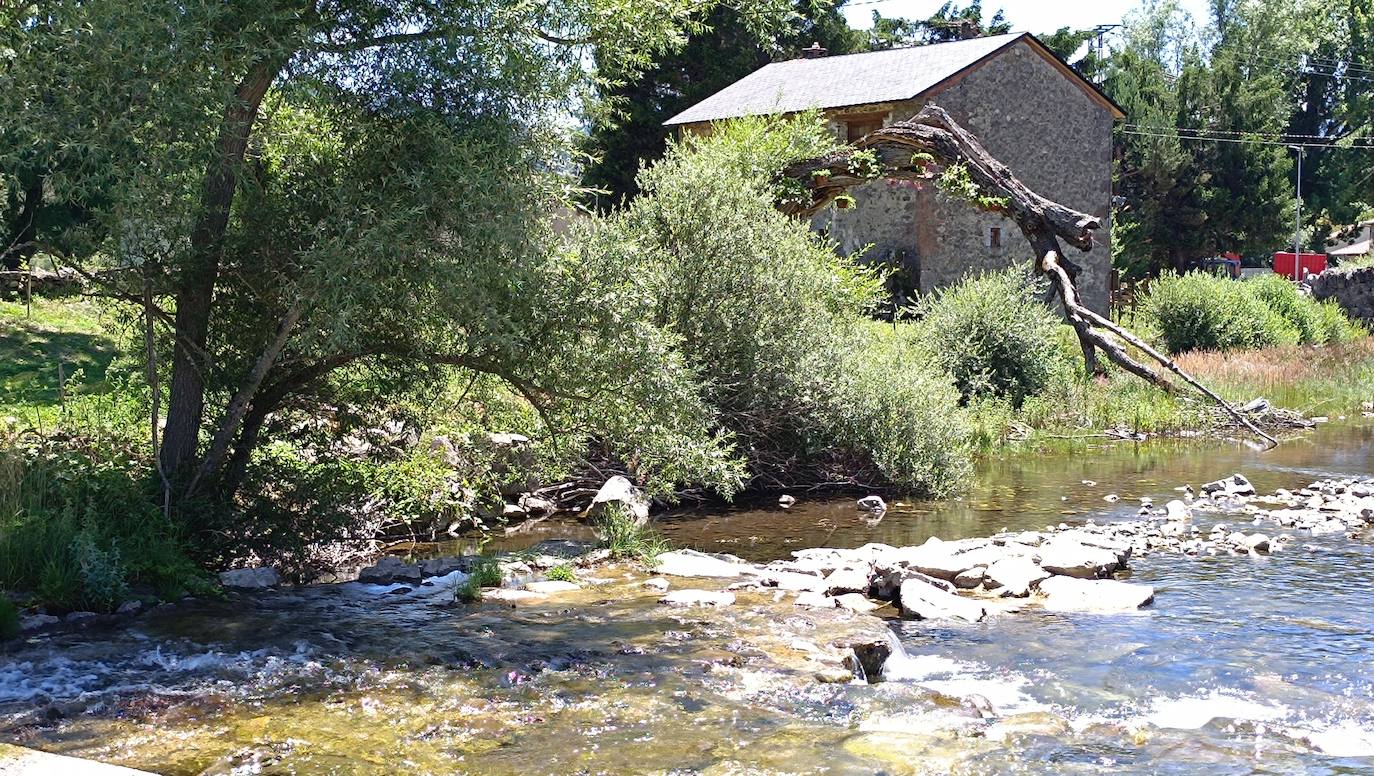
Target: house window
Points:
(858, 127)
(995, 238)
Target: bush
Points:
(561, 573)
(993, 336)
(771, 323)
(1335, 325)
(1299, 310)
(79, 526)
(485, 573)
(1199, 311)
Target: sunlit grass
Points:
(55, 347)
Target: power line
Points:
(1172, 134)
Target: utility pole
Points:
(1099, 46)
(1297, 221)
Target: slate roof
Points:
(846, 79)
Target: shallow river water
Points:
(1242, 665)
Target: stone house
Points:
(1033, 112)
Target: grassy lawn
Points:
(66, 332)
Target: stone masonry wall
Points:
(1353, 290)
(1054, 137)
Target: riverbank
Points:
(721, 673)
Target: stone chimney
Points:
(814, 51)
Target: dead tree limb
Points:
(906, 149)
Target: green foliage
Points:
(561, 573)
(956, 182)
(950, 22)
(1302, 313)
(993, 335)
(627, 130)
(62, 349)
(864, 164)
(486, 572)
(9, 617)
(1199, 311)
(78, 525)
(626, 538)
(770, 323)
(1335, 325)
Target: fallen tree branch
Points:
(905, 150)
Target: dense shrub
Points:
(773, 323)
(1198, 311)
(994, 336)
(79, 525)
(9, 617)
(1299, 310)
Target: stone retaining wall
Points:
(1352, 288)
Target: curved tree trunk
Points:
(935, 133)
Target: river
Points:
(1242, 665)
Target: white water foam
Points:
(962, 679)
(1193, 712)
(1347, 738)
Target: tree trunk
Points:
(196, 285)
(21, 245)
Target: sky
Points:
(1037, 16)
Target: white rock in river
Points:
(848, 580)
(967, 580)
(1235, 485)
(698, 598)
(1177, 510)
(619, 491)
(1257, 542)
(690, 563)
(816, 600)
(1014, 576)
(856, 602)
(1072, 558)
(656, 583)
(924, 601)
(873, 504)
(250, 579)
(1067, 594)
(785, 501)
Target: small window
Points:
(995, 237)
(857, 128)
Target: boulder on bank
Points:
(1067, 594)
(620, 492)
(872, 504)
(390, 569)
(923, 601)
(257, 578)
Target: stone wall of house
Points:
(1352, 288)
(1052, 135)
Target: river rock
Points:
(848, 580)
(18, 761)
(813, 599)
(690, 563)
(939, 559)
(856, 602)
(967, 580)
(537, 505)
(656, 583)
(621, 492)
(250, 578)
(1177, 510)
(1257, 542)
(36, 621)
(872, 504)
(1014, 576)
(129, 607)
(440, 567)
(923, 601)
(551, 586)
(1072, 558)
(1094, 595)
(693, 597)
(785, 501)
(1235, 485)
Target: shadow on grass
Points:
(30, 359)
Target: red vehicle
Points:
(1298, 266)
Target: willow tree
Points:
(292, 189)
